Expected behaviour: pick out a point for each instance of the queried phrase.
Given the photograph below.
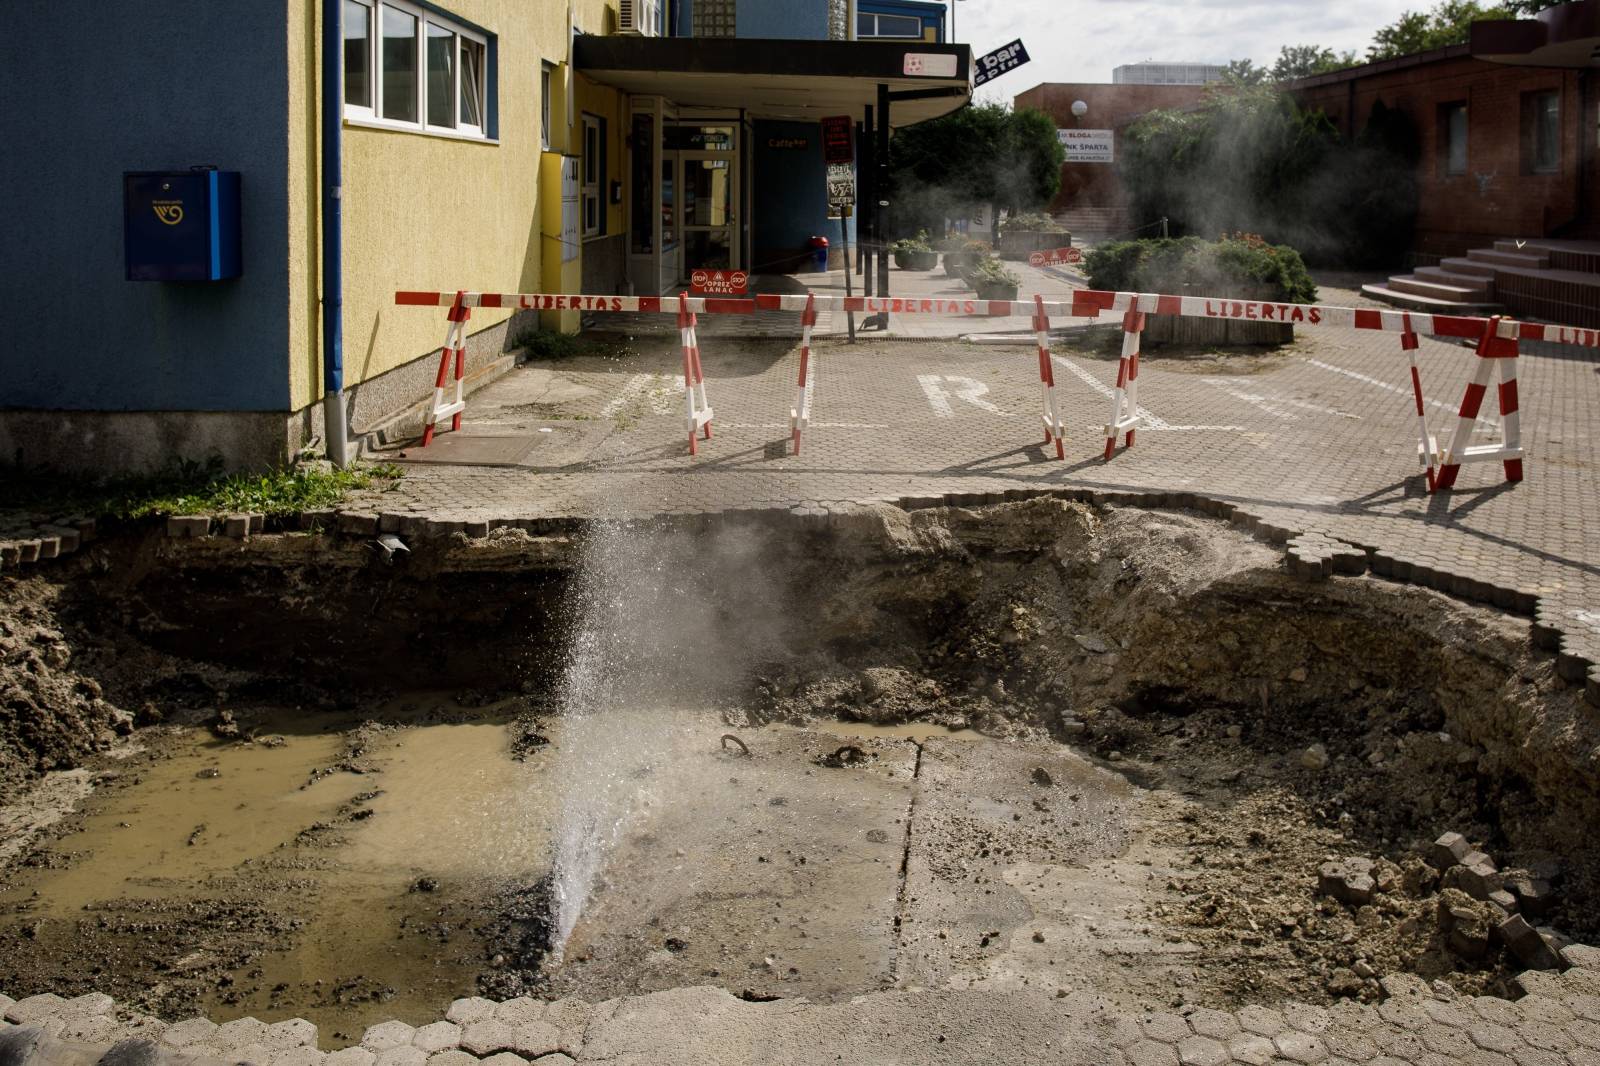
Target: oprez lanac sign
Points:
(1088, 146)
(718, 282)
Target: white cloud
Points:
(1081, 40)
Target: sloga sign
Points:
(999, 61)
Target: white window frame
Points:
(591, 188)
(875, 16)
(547, 78)
(355, 114)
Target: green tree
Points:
(1449, 22)
(1243, 72)
(984, 156)
(1305, 60)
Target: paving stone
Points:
(189, 1032)
(1585, 1032)
(536, 1038)
(559, 1059)
(485, 1038)
(298, 1056)
(1446, 1040)
(1307, 1018)
(1167, 1028)
(1300, 1047)
(1531, 1056)
(519, 1011)
(1581, 956)
(505, 1058)
(469, 1010)
(1216, 1024)
(1262, 1021)
(131, 1053)
(401, 1056)
(257, 1054)
(1202, 1051)
(188, 525)
(452, 1057)
(1582, 1056)
(296, 1032)
(21, 1044)
(35, 1009)
(240, 1033)
(1151, 1053)
(236, 526)
(86, 1005)
(387, 1035)
(91, 1029)
(1355, 1046)
(351, 1056)
(5, 1005)
(439, 1036)
(1492, 1037)
(1252, 1049)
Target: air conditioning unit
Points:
(638, 18)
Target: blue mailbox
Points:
(181, 225)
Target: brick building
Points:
(1091, 201)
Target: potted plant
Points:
(914, 253)
(992, 280)
(960, 254)
(1028, 232)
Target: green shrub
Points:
(549, 344)
(1240, 265)
(919, 243)
(1031, 222)
(989, 270)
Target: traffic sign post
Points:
(841, 198)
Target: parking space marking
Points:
(940, 388)
(1149, 420)
(1386, 386)
(1273, 402)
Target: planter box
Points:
(922, 261)
(988, 290)
(956, 264)
(1171, 329)
(1019, 244)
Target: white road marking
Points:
(1273, 402)
(809, 425)
(661, 390)
(940, 388)
(1588, 618)
(1387, 387)
(1148, 419)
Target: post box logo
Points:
(168, 211)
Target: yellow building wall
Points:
(421, 211)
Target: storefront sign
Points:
(718, 283)
(1054, 256)
(929, 65)
(790, 143)
(838, 144)
(999, 61)
(1088, 146)
(841, 187)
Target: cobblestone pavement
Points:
(1555, 1023)
(1318, 439)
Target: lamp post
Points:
(953, 4)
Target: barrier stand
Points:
(1054, 428)
(1427, 446)
(455, 343)
(1495, 347)
(694, 381)
(1125, 399)
(800, 413)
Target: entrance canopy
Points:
(798, 80)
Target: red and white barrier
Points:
(1054, 428)
(455, 344)
(694, 379)
(1497, 338)
(800, 412)
(1497, 347)
(1125, 397)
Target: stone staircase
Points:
(1096, 223)
(1555, 280)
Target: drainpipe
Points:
(333, 425)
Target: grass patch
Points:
(190, 488)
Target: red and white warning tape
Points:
(1497, 344)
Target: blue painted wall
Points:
(144, 87)
(791, 201)
(805, 20)
(931, 14)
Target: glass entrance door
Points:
(708, 187)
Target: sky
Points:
(1081, 40)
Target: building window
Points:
(714, 18)
(408, 68)
(594, 175)
(1541, 126)
(900, 26)
(545, 81)
(1453, 138)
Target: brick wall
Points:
(1498, 196)
(1110, 107)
